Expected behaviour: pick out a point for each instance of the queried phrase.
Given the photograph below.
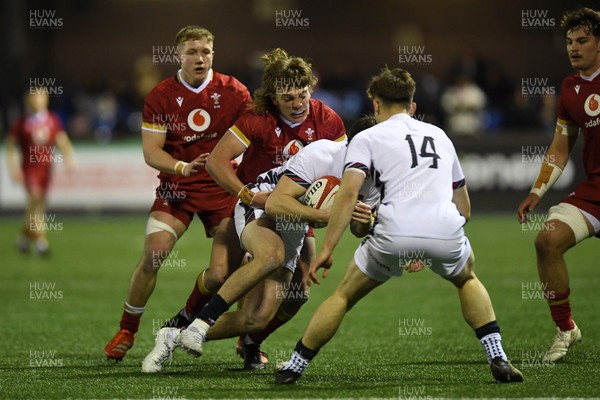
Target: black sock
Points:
(213, 309)
(490, 327)
(304, 351)
(300, 358)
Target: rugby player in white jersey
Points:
(424, 204)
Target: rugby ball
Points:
(321, 193)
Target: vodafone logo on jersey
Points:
(198, 120)
(592, 105)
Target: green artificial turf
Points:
(58, 313)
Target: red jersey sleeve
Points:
(154, 118)
(562, 113)
(333, 126)
(248, 128)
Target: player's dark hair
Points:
(393, 86)
(193, 32)
(584, 18)
(281, 73)
(364, 122)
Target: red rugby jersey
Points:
(579, 105)
(270, 141)
(194, 119)
(36, 136)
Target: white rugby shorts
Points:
(381, 257)
(291, 232)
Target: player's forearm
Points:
(279, 205)
(554, 163)
(163, 161)
(360, 229)
(222, 172)
(557, 156)
(341, 214)
(561, 147)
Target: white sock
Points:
(129, 309)
(201, 325)
(297, 363)
(492, 344)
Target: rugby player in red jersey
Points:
(34, 138)
(576, 217)
(284, 119)
(184, 117)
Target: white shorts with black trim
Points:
(291, 232)
(381, 257)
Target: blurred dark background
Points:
(488, 72)
(106, 55)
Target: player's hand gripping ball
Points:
(320, 195)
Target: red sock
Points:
(560, 308)
(275, 323)
(130, 322)
(198, 298)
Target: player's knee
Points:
(466, 274)
(214, 278)
(546, 244)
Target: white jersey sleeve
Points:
(458, 177)
(358, 156)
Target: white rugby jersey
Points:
(325, 157)
(320, 158)
(414, 167)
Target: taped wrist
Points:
(179, 167)
(246, 195)
(549, 173)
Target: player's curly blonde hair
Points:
(585, 18)
(193, 32)
(281, 73)
(393, 86)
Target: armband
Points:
(549, 173)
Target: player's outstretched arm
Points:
(554, 163)
(284, 201)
